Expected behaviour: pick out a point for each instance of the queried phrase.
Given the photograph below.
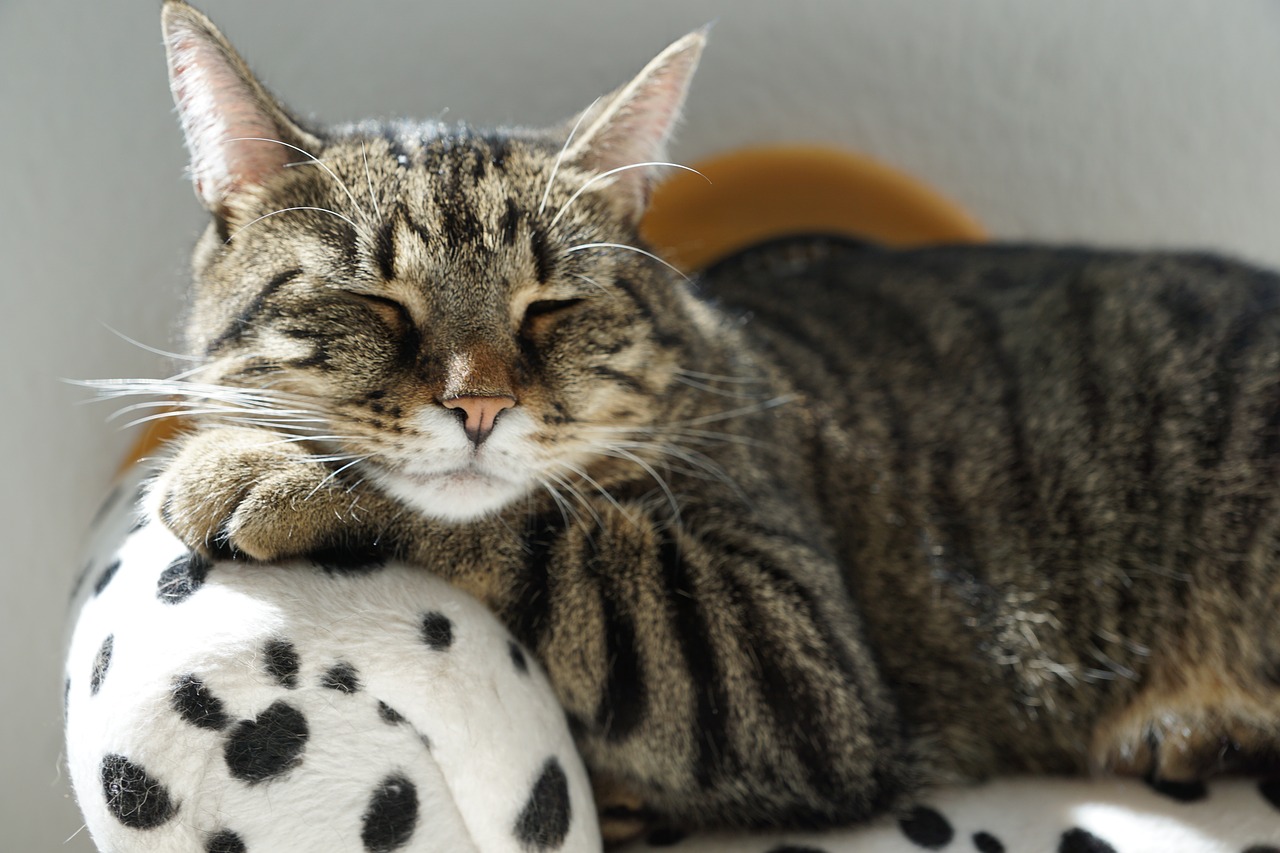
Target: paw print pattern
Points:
(388, 710)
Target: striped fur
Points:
(827, 525)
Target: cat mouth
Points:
(465, 475)
(462, 493)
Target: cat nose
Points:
(479, 414)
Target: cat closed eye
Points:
(390, 310)
(545, 308)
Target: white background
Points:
(1138, 123)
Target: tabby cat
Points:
(792, 540)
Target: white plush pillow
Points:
(233, 706)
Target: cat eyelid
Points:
(543, 307)
(387, 306)
(541, 313)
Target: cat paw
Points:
(1176, 752)
(623, 814)
(232, 491)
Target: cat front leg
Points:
(244, 491)
(711, 669)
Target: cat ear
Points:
(222, 107)
(633, 125)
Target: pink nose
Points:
(479, 414)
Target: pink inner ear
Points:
(643, 126)
(219, 111)
(636, 123)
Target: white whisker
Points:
(565, 510)
(718, 377)
(710, 437)
(622, 453)
(584, 246)
(220, 414)
(578, 496)
(377, 211)
(318, 162)
(346, 219)
(123, 387)
(714, 417)
(600, 177)
(333, 474)
(183, 374)
(297, 439)
(140, 345)
(589, 280)
(762, 406)
(255, 416)
(157, 417)
(700, 465)
(711, 389)
(563, 148)
(585, 477)
(261, 408)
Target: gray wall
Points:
(1140, 123)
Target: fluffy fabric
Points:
(308, 707)
(347, 706)
(1045, 816)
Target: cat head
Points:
(465, 316)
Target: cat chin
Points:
(459, 496)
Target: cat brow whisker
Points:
(584, 246)
(314, 159)
(555, 167)
(589, 280)
(364, 154)
(346, 219)
(603, 175)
